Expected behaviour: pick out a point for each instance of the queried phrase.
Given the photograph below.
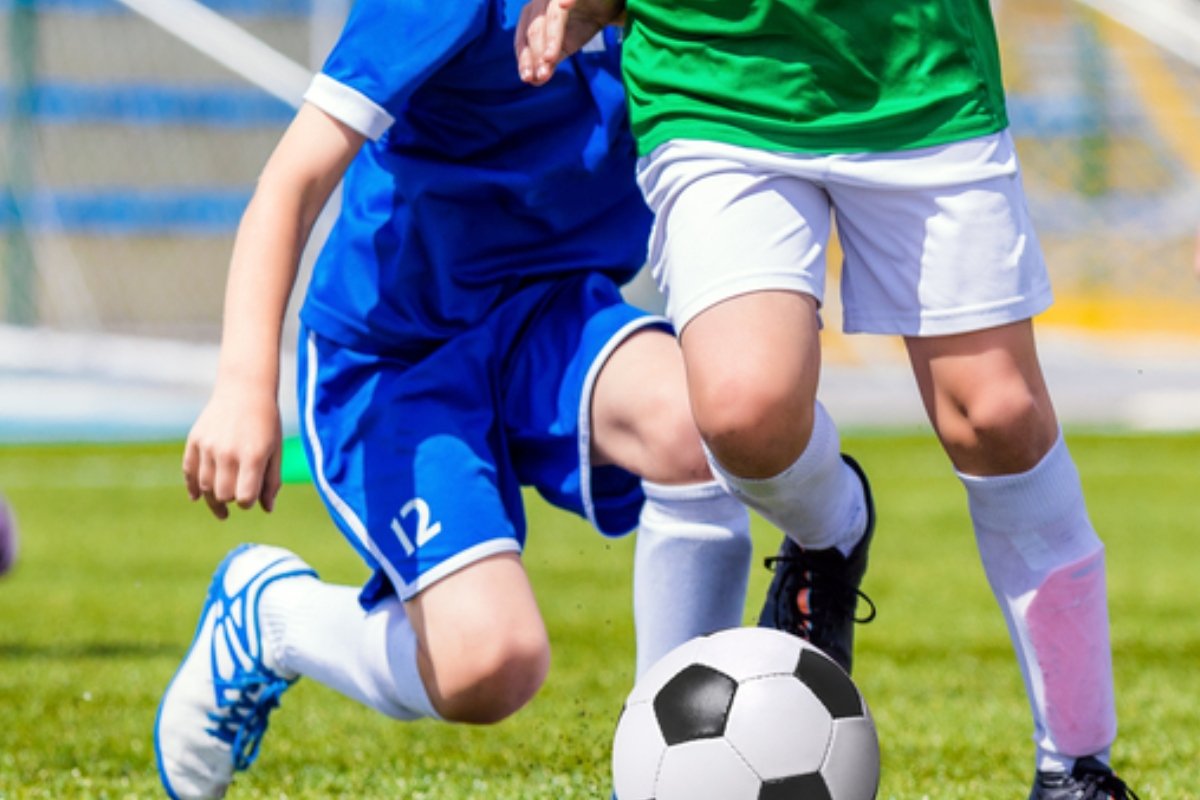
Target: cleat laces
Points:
(1105, 786)
(246, 698)
(243, 724)
(814, 593)
(839, 599)
(1090, 780)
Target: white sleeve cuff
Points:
(349, 106)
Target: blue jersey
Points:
(471, 184)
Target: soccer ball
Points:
(745, 714)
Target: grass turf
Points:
(115, 563)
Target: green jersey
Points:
(822, 76)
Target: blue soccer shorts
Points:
(422, 463)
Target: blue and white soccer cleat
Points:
(213, 715)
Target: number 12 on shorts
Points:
(426, 529)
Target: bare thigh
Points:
(641, 418)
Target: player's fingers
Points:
(201, 471)
(553, 34)
(191, 466)
(540, 36)
(224, 483)
(271, 483)
(215, 483)
(521, 46)
(205, 471)
(220, 510)
(208, 477)
(249, 483)
(556, 24)
(530, 32)
(257, 468)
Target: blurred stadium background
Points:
(128, 156)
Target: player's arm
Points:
(550, 30)
(233, 450)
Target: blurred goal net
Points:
(132, 131)
(131, 134)
(1105, 105)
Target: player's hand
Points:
(550, 30)
(234, 450)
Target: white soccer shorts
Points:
(936, 241)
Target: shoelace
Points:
(1090, 782)
(244, 723)
(1112, 787)
(255, 690)
(801, 579)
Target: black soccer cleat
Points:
(814, 594)
(1091, 779)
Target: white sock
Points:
(320, 631)
(1045, 564)
(818, 501)
(691, 566)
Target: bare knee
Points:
(986, 397)
(489, 677)
(483, 650)
(1004, 431)
(754, 430)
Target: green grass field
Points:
(115, 563)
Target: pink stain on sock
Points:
(1068, 628)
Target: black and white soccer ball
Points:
(745, 714)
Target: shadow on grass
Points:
(67, 651)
